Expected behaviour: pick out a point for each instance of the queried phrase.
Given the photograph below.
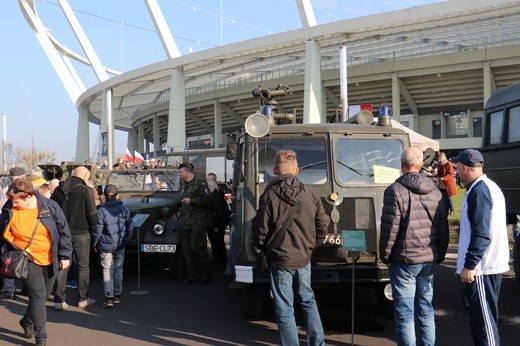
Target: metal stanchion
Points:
(139, 291)
(353, 241)
(352, 323)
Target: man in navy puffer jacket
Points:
(114, 226)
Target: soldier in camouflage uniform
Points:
(195, 218)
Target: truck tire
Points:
(253, 301)
(175, 265)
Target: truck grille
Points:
(356, 214)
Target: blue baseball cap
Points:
(470, 158)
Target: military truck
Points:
(349, 165)
(153, 197)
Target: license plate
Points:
(332, 239)
(169, 248)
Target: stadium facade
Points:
(435, 65)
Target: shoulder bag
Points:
(15, 262)
(261, 259)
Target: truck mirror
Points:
(231, 151)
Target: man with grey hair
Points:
(413, 241)
(8, 285)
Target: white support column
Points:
(343, 83)
(177, 117)
(489, 82)
(161, 26)
(312, 102)
(140, 137)
(217, 119)
(73, 88)
(132, 140)
(146, 146)
(396, 98)
(307, 16)
(156, 136)
(107, 114)
(94, 60)
(82, 141)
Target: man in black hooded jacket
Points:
(79, 207)
(289, 260)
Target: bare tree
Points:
(30, 159)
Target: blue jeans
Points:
(283, 297)
(412, 289)
(112, 263)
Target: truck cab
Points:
(349, 165)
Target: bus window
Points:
(514, 125)
(495, 127)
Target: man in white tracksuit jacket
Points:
(483, 253)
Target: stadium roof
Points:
(431, 30)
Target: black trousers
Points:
(39, 285)
(218, 246)
(81, 249)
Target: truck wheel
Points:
(385, 305)
(253, 301)
(175, 266)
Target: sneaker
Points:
(117, 299)
(84, 303)
(61, 306)
(108, 303)
(72, 284)
(7, 295)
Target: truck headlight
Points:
(387, 291)
(158, 229)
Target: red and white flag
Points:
(128, 156)
(138, 158)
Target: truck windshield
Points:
(368, 161)
(312, 158)
(145, 180)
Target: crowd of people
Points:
(289, 224)
(69, 220)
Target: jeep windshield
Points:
(312, 158)
(368, 161)
(145, 180)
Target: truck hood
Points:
(140, 204)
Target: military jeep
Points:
(153, 197)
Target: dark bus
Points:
(501, 145)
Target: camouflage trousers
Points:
(195, 252)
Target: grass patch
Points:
(454, 218)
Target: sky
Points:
(37, 106)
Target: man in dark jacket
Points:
(290, 259)
(413, 241)
(80, 210)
